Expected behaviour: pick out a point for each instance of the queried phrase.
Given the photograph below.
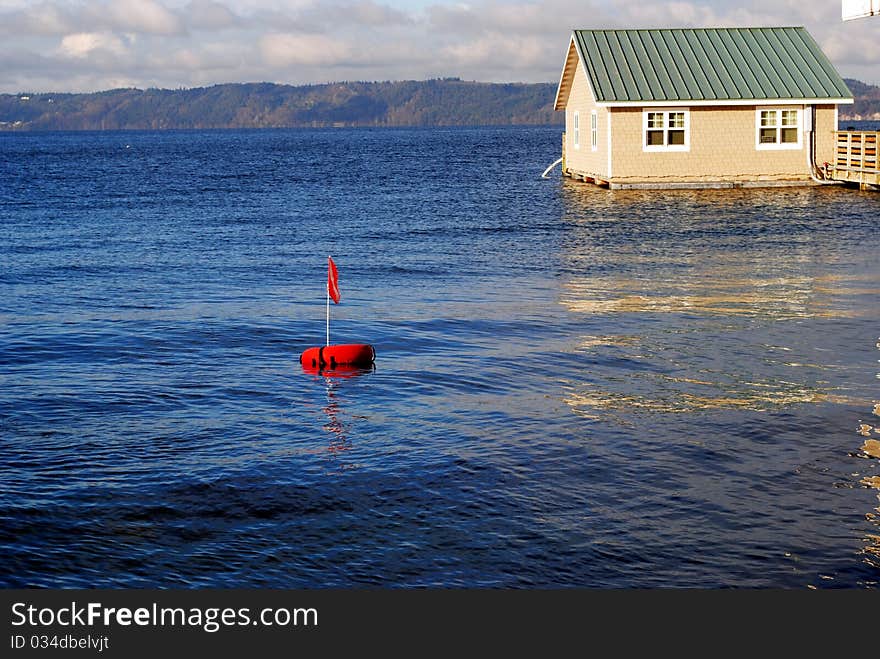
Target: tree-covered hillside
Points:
(867, 103)
(446, 102)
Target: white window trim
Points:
(608, 128)
(667, 147)
(806, 129)
(779, 146)
(594, 130)
(576, 129)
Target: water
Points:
(574, 386)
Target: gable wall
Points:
(584, 160)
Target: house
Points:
(714, 107)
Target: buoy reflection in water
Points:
(337, 427)
(870, 450)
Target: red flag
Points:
(332, 280)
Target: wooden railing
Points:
(856, 157)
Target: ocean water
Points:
(574, 387)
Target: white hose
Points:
(547, 171)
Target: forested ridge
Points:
(440, 102)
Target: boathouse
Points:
(715, 107)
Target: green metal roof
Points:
(707, 64)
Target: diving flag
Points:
(332, 280)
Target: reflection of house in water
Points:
(871, 450)
(705, 253)
(721, 289)
(703, 298)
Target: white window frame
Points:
(594, 130)
(646, 112)
(779, 145)
(576, 129)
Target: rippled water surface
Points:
(574, 386)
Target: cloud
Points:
(538, 17)
(364, 12)
(83, 44)
(210, 16)
(497, 52)
(849, 46)
(679, 14)
(46, 18)
(42, 19)
(141, 16)
(282, 50)
(173, 43)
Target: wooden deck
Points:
(856, 158)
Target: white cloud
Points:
(142, 16)
(42, 19)
(678, 14)
(534, 17)
(854, 47)
(177, 43)
(282, 50)
(210, 15)
(498, 52)
(362, 12)
(58, 18)
(84, 44)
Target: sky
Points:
(91, 45)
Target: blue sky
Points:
(88, 45)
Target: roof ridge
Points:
(685, 27)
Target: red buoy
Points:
(349, 354)
(344, 372)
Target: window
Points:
(778, 128)
(666, 130)
(594, 130)
(575, 122)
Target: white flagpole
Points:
(328, 314)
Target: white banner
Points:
(851, 9)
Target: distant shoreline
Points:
(559, 126)
(445, 102)
(442, 102)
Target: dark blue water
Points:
(574, 386)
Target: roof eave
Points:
(723, 101)
(557, 102)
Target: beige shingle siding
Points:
(584, 160)
(826, 124)
(722, 148)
